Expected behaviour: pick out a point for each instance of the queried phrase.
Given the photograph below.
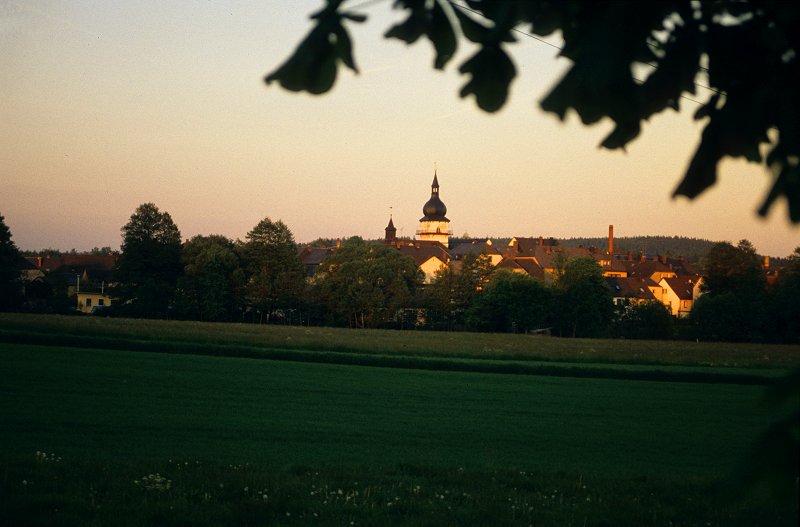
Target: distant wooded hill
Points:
(692, 249)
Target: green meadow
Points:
(122, 423)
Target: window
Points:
(88, 302)
(100, 302)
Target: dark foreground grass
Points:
(137, 406)
(45, 491)
(136, 438)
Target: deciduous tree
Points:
(452, 291)
(733, 268)
(275, 275)
(582, 299)
(150, 263)
(647, 320)
(10, 270)
(746, 52)
(212, 285)
(511, 302)
(784, 302)
(733, 306)
(366, 284)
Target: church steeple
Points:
(434, 209)
(391, 232)
(434, 225)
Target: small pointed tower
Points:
(434, 226)
(391, 233)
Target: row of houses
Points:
(86, 276)
(631, 278)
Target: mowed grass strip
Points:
(410, 343)
(136, 406)
(606, 370)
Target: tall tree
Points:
(733, 306)
(647, 320)
(746, 52)
(10, 270)
(784, 301)
(511, 302)
(365, 285)
(275, 275)
(452, 291)
(212, 285)
(735, 269)
(583, 301)
(150, 263)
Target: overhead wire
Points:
(369, 3)
(560, 48)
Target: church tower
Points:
(391, 233)
(434, 226)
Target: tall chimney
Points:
(766, 262)
(611, 240)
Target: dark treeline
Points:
(54, 253)
(693, 249)
(365, 284)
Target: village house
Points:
(680, 294)
(86, 276)
(630, 291)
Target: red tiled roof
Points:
(97, 262)
(526, 246)
(646, 269)
(683, 286)
(546, 255)
(314, 255)
(461, 247)
(637, 288)
(422, 251)
(528, 265)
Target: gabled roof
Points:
(546, 256)
(460, 247)
(532, 268)
(681, 267)
(80, 261)
(646, 268)
(616, 266)
(423, 250)
(526, 246)
(528, 265)
(510, 263)
(627, 287)
(314, 255)
(682, 286)
(28, 263)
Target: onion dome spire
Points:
(434, 209)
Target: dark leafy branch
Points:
(746, 50)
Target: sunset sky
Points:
(105, 105)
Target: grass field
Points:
(331, 444)
(481, 346)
